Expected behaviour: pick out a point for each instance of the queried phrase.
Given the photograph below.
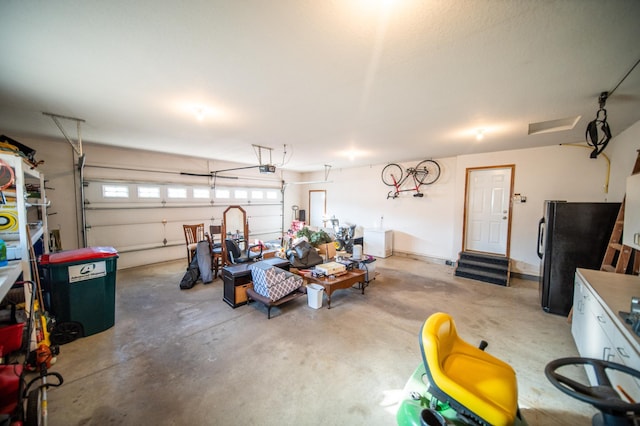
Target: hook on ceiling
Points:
(77, 145)
(327, 169)
(593, 138)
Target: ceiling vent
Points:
(553, 125)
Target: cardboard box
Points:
(331, 268)
(328, 250)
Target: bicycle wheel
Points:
(427, 172)
(391, 174)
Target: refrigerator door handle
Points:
(540, 237)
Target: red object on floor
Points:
(78, 255)
(9, 387)
(11, 338)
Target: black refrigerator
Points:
(570, 236)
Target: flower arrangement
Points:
(315, 238)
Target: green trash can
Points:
(81, 287)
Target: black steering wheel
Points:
(603, 396)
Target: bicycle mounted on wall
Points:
(425, 173)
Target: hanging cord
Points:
(625, 77)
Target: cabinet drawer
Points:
(241, 292)
(625, 354)
(580, 321)
(602, 317)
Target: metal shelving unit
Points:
(27, 230)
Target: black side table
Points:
(236, 279)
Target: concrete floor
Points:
(185, 357)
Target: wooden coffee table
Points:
(340, 282)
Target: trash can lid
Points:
(315, 287)
(78, 255)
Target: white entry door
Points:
(488, 210)
(317, 207)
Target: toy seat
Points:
(475, 384)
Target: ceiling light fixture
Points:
(352, 154)
(200, 112)
(479, 134)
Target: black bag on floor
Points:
(191, 276)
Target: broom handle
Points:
(34, 268)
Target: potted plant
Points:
(316, 238)
(320, 240)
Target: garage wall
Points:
(420, 226)
(150, 230)
(431, 227)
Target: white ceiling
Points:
(379, 80)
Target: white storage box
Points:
(13, 250)
(331, 268)
(378, 242)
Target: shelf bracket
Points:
(77, 145)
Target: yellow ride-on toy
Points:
(458, 383)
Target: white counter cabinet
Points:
(631, 234)
(378, 242)
(598, 329)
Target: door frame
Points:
(469, 170)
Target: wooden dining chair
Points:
(215, 244)
(215, 232)
(192, 235)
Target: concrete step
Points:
(483, 267)
(488, 277)
(485, 258)
(489, 267)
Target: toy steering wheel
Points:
(603, 396)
